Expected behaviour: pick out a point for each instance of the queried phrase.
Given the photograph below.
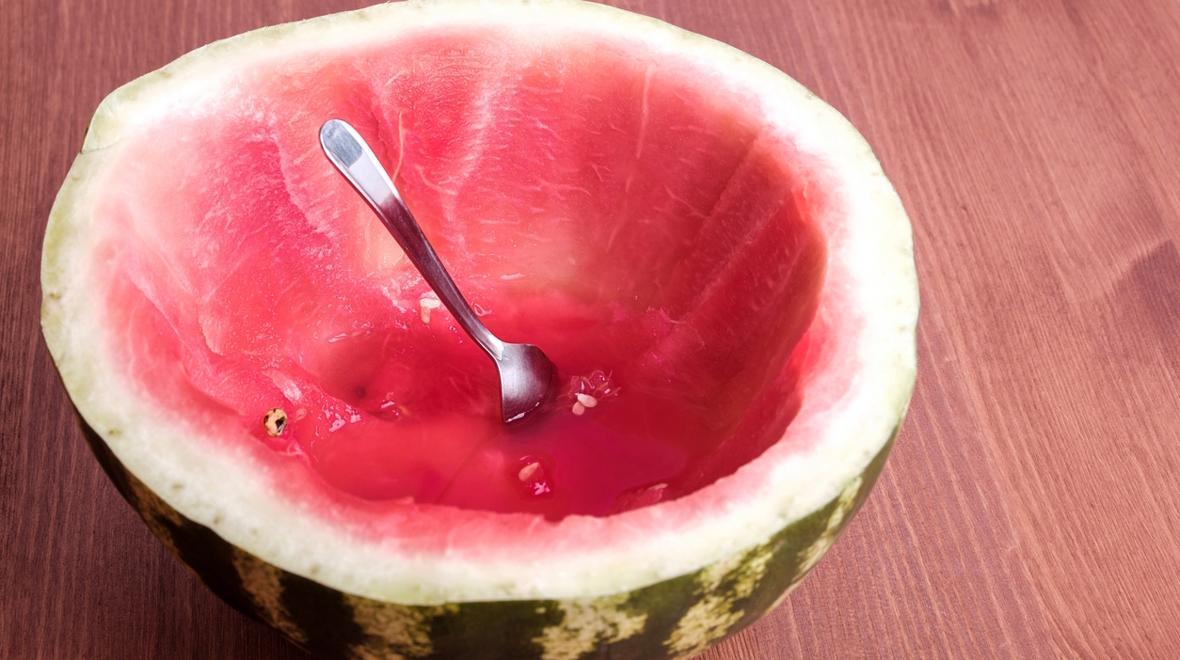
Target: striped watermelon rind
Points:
(678, 617)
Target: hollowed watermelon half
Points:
(711, 255)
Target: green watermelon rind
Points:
(679, 617)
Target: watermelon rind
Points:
(669, 593)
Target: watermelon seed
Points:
(426, 304)
(587, 400)
(389, 407)
(275, 422)
(578, 408)
(528, 471)
(534, 477)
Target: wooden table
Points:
(1031, 507)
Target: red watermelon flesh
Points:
(626, 215)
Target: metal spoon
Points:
(526, 375)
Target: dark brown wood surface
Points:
(1032, 505)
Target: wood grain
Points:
(1031, 507)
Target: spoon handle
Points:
(352, 156)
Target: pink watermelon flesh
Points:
(626, 214)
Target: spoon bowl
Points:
(526, 380)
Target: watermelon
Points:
(709, 253)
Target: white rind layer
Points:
(229, 490)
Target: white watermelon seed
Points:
(426, 304)
(587, 400)
(528, 471)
